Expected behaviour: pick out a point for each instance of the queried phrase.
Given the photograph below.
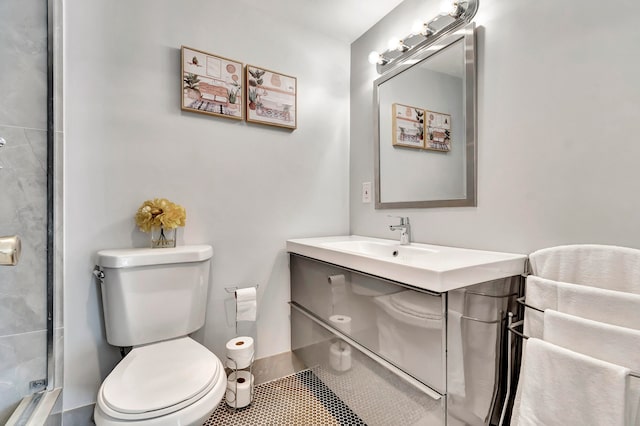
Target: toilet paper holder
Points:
(241, 385)
(235, 288)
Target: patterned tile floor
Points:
(299, 399)
(379, 396)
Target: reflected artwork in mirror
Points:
(425, 127)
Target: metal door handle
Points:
(10, 249)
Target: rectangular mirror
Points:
(425, 147)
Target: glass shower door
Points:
(23, 199)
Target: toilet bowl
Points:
(153, 299)
(177, 382)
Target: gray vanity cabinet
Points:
(441, 349)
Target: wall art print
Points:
(211, 84)
(438, 131)
(271, 98)
(408, 126)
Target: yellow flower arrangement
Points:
(160, 213)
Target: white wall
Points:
(246, 188)
(558, 126)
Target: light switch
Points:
(366, 192)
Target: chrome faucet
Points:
(405, 230)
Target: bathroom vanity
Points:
(404, 334)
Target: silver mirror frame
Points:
(467, 33)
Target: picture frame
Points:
(271, 97)
(438, 131)
(211, 84)
(407, 126)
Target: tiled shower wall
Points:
(23, 197)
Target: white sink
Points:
(431, 267)
(388, 250)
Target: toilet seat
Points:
(159, 379)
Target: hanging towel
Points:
(610, 343)
(608, 267)
(566, 388)
(608, 306)
(543, 294)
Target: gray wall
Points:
(246, 188)
(23, 124)
(558, 125)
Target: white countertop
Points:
(426, 266)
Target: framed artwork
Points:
(271, 98)
(438, 131)
(407, 126)
(211, 84)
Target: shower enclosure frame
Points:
(39, 383)
(51, 196)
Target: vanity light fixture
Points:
(453, 15)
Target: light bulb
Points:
(394, 43)
(451, 8)
(447, 6)
(417, 27)
(421, 28)
(374, 58)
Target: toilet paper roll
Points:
(340, 356)
(246, 304)
(239, 389)
(239, 352)
(341, 323)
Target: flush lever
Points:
(10, 249)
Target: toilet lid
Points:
(160, 375)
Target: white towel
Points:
(610, 343)
(608, 267)
(542, 294)
(608, 306)
(566, 388)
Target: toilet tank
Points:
(149, 295)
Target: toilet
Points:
(152, 299)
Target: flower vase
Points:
(163, 237)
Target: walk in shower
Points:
(30, 120)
